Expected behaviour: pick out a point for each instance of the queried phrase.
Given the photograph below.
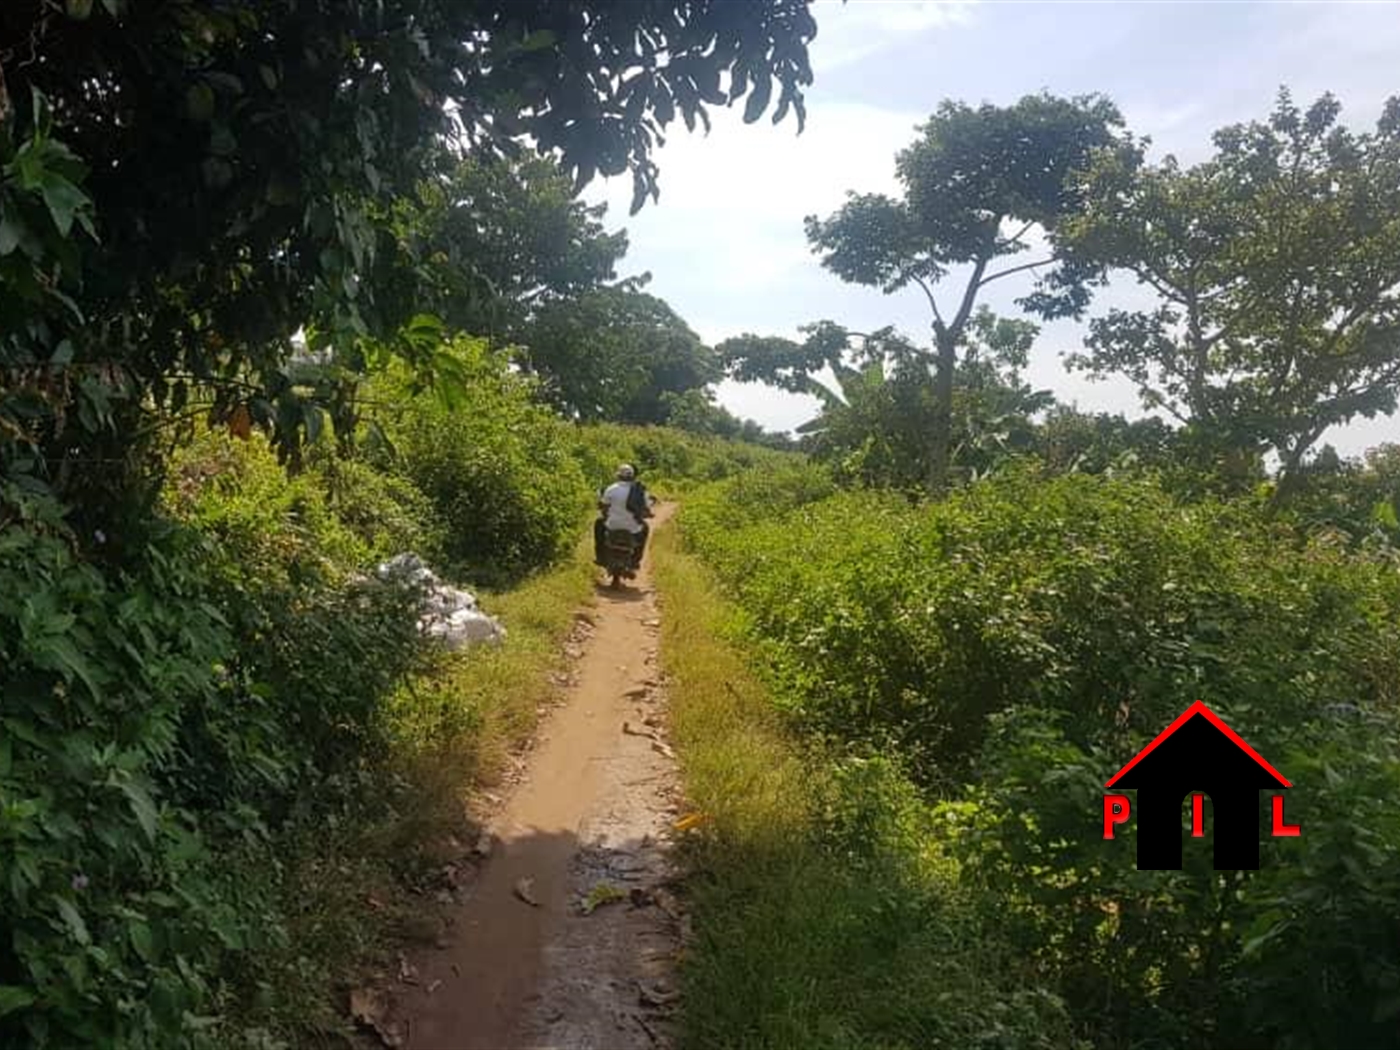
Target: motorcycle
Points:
(618, 550)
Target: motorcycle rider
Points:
(623, 505)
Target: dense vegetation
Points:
(282, 294)
(1010, 648)
(977, 604)
(314, 224)
(169, 793)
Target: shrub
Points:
(1028, 637)
(113, 919)
(385, 511)
(175, 722)
(319, 646)
(667, 458)
(498, 470)
(236, 492)
(1099, 598)
(824, 918)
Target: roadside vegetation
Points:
(266, 321)
(282, 296)
(974, 605)
(827, 910)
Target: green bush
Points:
(499, 470)
(236, 492)
(114, 920)
(387, 512)
(1028, 637)
(826, 916)
(178, 714)
(1099, 598)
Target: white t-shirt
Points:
(619, 517)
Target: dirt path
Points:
(593, 813)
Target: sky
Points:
(725, 243)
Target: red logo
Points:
(1200, 755)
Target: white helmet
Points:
(625, 472)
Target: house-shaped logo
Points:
(1198, 754)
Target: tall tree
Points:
(615, 353)
(490, 242)
(978, 184)
(1276, 268)
(231, 168)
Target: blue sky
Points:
(725, 245)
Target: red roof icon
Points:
(1199, 708)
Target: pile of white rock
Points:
(449, 614)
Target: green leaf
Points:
(142, 806)
(63, 199)
(539, 40)
(199, 102)
(1383, 513)
(221, 141)
(63, 653)
(758, 101)
(13, 997)
(26, 868)
(73, 920)
(10, 232)
(79, 10)
(141, 940)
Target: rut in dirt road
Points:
(527, 964)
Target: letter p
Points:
(1115, 811)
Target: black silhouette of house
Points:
(1198, 752)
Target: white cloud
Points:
(726, 244)
(855, 30)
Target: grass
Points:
(360, 888)
(825, 916)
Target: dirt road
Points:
(527, 964)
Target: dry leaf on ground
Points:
(525, 890)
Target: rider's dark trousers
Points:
(600, 535)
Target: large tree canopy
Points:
(977, 183)
(1276, 268)
(242, 163)
(498, 240)
(615, 353)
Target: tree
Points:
(499, 239)
(1070, 441)
(696, 412)
(1276, 268)
(242, 164)
(1360, 496)
(875, 420)
(977, 184)
(614, 353)
(994, 408)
